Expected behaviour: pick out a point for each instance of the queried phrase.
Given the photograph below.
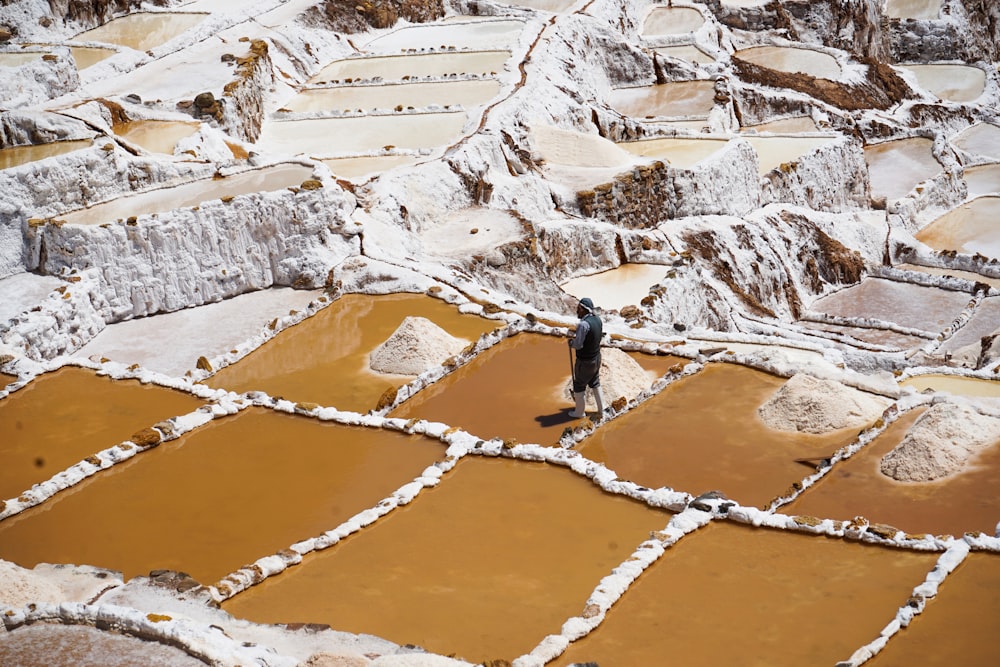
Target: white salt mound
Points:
(19, 586)
(940, 443)
(811, 405)
(416, 346)
(621, 375)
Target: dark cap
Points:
(587, 304)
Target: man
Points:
(587, 369)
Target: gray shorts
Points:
(586, 373)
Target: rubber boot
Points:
(579, 397)
(599, 400)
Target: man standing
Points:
(587, 369)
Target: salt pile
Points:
(621, 376)
(19, 587)
(416, 346)
(812, 405)
(940, 443)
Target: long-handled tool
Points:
(572, 368)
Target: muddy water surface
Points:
(971, 228)
(15, 156)
(390, 96)
(143, 30)
(462, 33)
(683, 98)
(896, 167)
(950, 506)
(685, 52)
(958, 625)
(702, 433)
(683, 153)
(983, 179)
(672, 21)
(626, 285)
(980, 139)
(324, 359)
(797, 124)
(192, 193)
(733, 595)
(512, 391)
(483, 566)
(224, 495)
(85, 56)
(957, 83)
(414, 65)
(52, 645)
(18, 59)
(906, 304)
(792, 60)
(365, 167)
(772, 152)
(157, 136)
(63, 417)
(954, 384)
(884, 337)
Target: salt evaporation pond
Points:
(533, 406)
(772, 151)
(966, 606)
(483, 34)
(418, 65)
(61, 418)
(957, 83)
(143, 30)
(982, 139)
(18, 59)
(915, 306)
(232, 491)
(786, 125)
(793, 60)
(954, 384)
(965, 275)
(953, 505)
(56, 645)
(15, 156)
(192, 193)
(983, 179)
(85, 56)
(896, 167)
(360, 168)
(973, 227)
(671, 21)
(912, 9)
(699, 435)
(305, 363)
(625, 285)
(884, 337)
(393, 96)
(685, 52)
(728, 591)
(23, 291)
(985, 322)
(340, 137)
(157, 136)
(457, 560)
(682, 98)
(553, 6)
(683, 153)
(171, 343)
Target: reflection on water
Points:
(748, 584)
(793, 60)
(484, 565)
(896, 167)
(414, 65)
(972, 227)
(225, 494)
(949, 506)
(142, 30)
(417, 95)
(324, 359)
(190, 194)
(61, 418)
(966, 607)
(699, 435)
(15, 156)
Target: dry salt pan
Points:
(621, 375)
(812, 405)
(940, 443)
(416, 346)
(19, 587)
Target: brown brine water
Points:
(230, 492)
(483, 566)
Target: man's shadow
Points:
(556, 418)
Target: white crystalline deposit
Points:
(621, 375)
(19, 587)
(812, 405)
(940, 443)
(416, 346)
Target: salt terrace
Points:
(285, 293)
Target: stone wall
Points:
(831, 178)
(966, 30)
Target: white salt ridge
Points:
(941, 443)
(812, 405)
(416, 346)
